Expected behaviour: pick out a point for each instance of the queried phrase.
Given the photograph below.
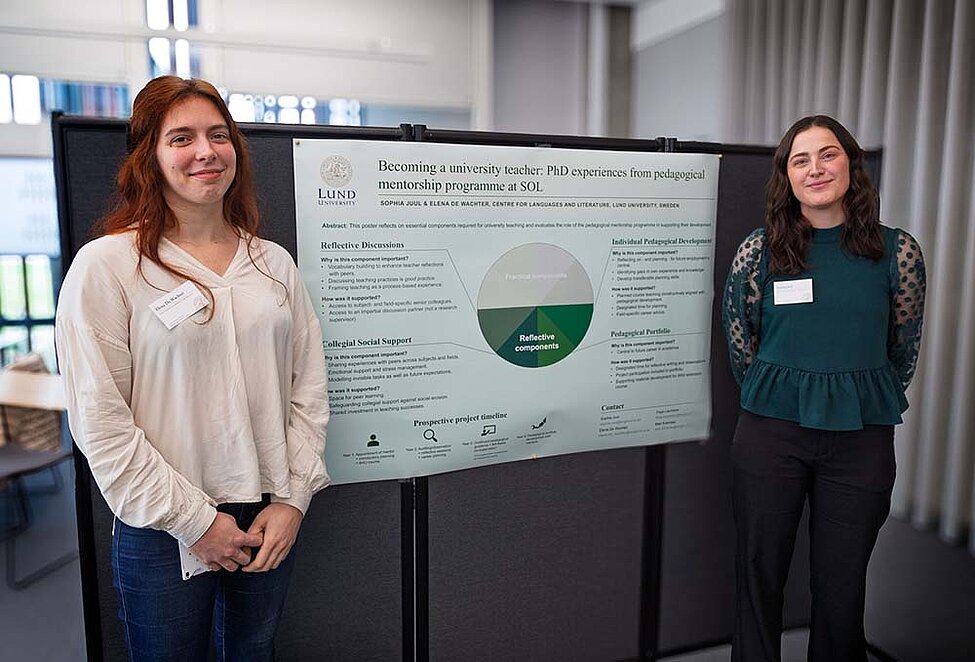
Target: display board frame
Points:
(683, 486)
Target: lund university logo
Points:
(336, 171)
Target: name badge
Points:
(190, 564)
(792, 291)
(179, 304)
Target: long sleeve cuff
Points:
(192, 524)
(299, 500)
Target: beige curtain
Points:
(900, 75)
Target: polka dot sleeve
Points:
(742, 303)
(908, 282)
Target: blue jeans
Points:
(167, 618)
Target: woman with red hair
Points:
(196, 385)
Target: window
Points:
(345, 112)
(93, 99)
(29, 99)
(29, 267)
(173, 56)
(20, 99)
(29, 264)
(6, 100)
(169, 55)
(26, 98)
(27, 306)
(177, 14)
(291, 109)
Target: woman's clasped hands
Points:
(273, 533)
(224, 545)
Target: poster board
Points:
(467, 566)
(484, 304)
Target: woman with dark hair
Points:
(822, 313)
(196, 386)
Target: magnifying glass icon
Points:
(429, 435)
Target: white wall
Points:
(386, 51)
(679, 73)
(433, 53)
(540, 66)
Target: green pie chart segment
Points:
(500, 324)
(568, 324)
(535, 305)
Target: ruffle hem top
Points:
(840, 361)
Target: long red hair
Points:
(140, 204)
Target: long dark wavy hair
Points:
(139, 201)
(788, 233)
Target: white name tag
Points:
(176, 306)
(792, 291)
(190, 563)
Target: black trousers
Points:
(847, 478)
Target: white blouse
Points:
(176, 421)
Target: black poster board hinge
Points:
(407, 566)
(667, 144)
(653, 526)
(415, 569)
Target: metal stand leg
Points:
(19, 502)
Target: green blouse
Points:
(841, 360)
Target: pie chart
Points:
(535, 305)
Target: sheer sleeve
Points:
(908, 284)
(741, 304)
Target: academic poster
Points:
(491, 304)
